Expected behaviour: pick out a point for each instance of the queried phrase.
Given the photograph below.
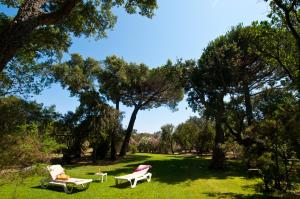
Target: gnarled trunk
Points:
(129, 132)
(218, 159)
(171, 145)
(13, 37)
(100, 150)
(248, 104)
(16, 34)
(113, 151)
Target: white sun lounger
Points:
(136, 176)
(55, 170)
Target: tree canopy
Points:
(41, 29)
(143, 88)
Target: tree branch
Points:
(58, 16)
(288, 21)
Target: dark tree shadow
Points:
(58, 189)
(238, 196)
(176, 170)
(127, 159)
(125, 184)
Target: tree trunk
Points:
(218, 159)
(16, 34)
(247, 102)
(100, 150)
(129, 132)
(113, 151)
(12, 38)
(76, 148)
(277, 172)
(172, 150)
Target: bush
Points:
(233, 149)
(276, 159)
(26, 147)
(133, 148)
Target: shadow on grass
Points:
(177, 170)
(127, 159)
(126, 184)
(58, 189)
(238, 196)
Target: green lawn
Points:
(173, 177)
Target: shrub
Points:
(133, 148)
(26, 147)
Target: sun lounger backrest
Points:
(142, 170)
(55, 170)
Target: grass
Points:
(173, 177)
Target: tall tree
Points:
(36, 19)
(150, 88)
(210, 80)
(15, 112)
(112, 78)
(98, 121)
(195, 134)
(186, 134)
(251, 72)
(238, 66)
(24, 79)
(167, 139)
(285, 14)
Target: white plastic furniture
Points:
(103, 176)
(55, 170)
(136, 176)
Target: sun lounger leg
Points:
(44, 183)
(134, 183)
(149, 177)
(67, 190)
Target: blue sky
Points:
(179, 29)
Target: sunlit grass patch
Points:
(174, 176)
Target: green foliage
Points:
(205, 135)
(146, 142)
(185, 134)
(27, 130)
(27, 146)
(167, 139)
(77, 75)
(195, 134)
(15, 112)
(279, 133)
(285, 15)
(133, 148)
(151, 88)
(233, 70)
(233, 149)
(135, 85)
(24, 79)
(28, 72)
(52, 23)
(112, 78)
(94, 120)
